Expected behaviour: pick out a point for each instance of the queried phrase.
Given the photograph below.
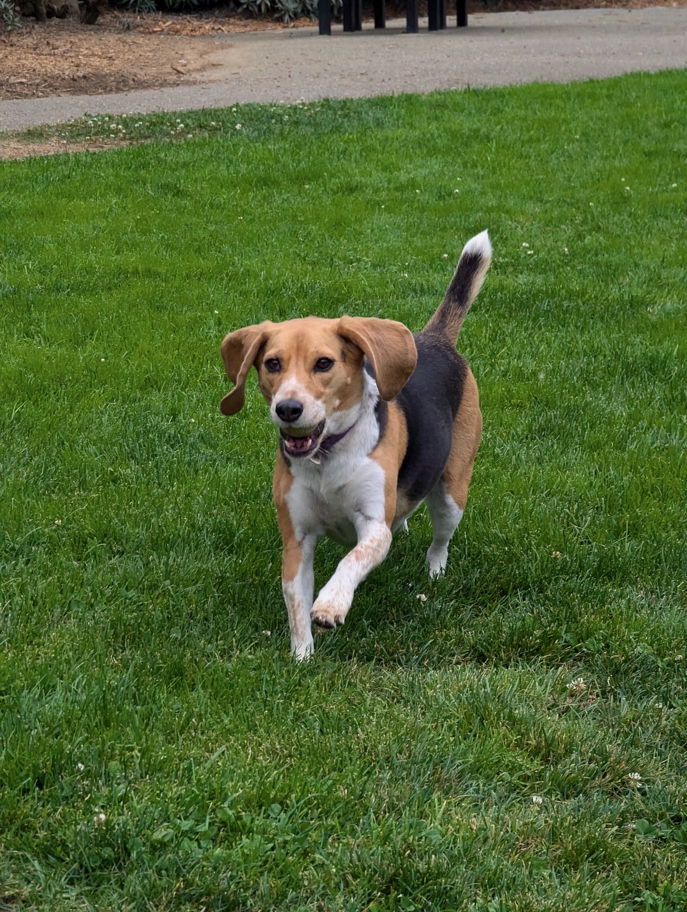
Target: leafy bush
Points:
(138, 6)
(8, 14)
(286, 10)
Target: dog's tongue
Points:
(299, 444)
(302, 446)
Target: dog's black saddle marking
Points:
(429, 401)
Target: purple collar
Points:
(328, 442)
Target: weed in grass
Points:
(157, 746)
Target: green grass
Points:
(144, 672)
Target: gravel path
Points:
(496, 49)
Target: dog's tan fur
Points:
(467, 433)
(389, 455)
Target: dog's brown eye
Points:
(273, 365)
(323, 364)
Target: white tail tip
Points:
(481, 244)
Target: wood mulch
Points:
(117, 54)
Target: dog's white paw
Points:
(332, 604)
(304, 650)
(437, 561)
(328, 615)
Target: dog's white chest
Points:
(324, 501)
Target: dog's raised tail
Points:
(472, 268)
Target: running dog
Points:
(372, 420)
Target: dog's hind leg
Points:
(445, 515)
(446, 501)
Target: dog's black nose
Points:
(289, 409)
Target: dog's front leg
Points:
(297, 582)
(297, 573)
(335, 598)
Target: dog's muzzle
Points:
(305, 445)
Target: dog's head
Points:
(311, 372)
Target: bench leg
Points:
(411, 16)
(325, 17)
(462, 13)
(348, 15)
(442, 14)
(432, 15)
(380, 18)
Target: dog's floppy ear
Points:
(239, 351)
(390, 347)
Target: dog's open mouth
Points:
(303, 446)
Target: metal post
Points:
(432, 15)
(357, 15)
(348, 15)
(462, 13)
(411, 16)
(380, 18)
(325, 17)
(442, 14)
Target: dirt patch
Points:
(125, 52)
(16, 149)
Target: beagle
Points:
(372, 421)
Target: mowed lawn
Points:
(511, 737)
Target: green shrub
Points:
(137, 6)
(9, 16)
(286, 10)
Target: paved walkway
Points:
(495, 49)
